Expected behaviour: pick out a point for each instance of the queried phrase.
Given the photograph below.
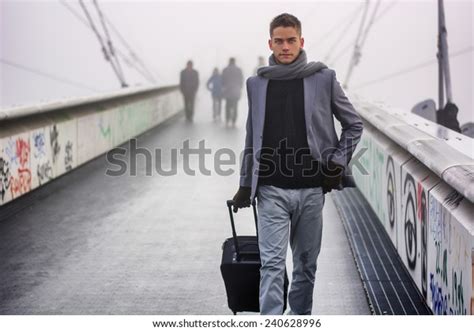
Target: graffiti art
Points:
(409, 190)
(391, 191)
(4, 178)
(54, 134)
(424, 243)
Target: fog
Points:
(47, 37)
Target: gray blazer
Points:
(323, 98)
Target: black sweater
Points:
(285, 159)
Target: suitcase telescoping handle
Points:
(230, 203)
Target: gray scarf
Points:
(300, 68)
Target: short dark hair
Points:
(285, 20)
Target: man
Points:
(292, 157)
(188, 84)
(232, 81)
(214, 84)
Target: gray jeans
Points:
(294, 215)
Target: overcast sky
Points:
(46, 36)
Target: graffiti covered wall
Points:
(450, 249)
(31, 155)
(382, 160)
(429, 222)
(416, 182)
(15, 166)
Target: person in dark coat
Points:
(447, 117)
(214, 84)
(188, 84)
(232, 81)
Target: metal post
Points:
(443, 49)
(439, 55)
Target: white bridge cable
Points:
(342, 34)
(351, 44)
(369, 25)
(360, 40)
(109, 40)
(133, 54)
(48, 75)
(359, 33)
(352, 15)
(101, 41)
(411, 68)
(130, 61)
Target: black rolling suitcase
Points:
(240, 268)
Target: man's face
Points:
(286, 44)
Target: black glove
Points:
(242, 198)
(332, 176)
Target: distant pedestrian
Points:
(214, 84)
(232, 81)
(188, 84)
(260, 63)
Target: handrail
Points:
(40, 108)
(453, 164)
